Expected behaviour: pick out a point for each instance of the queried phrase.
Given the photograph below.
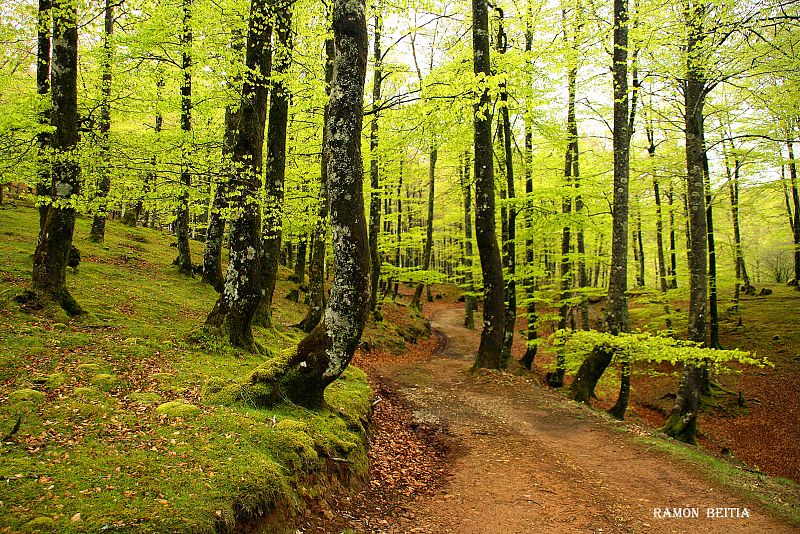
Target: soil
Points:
(488, 452)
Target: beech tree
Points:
(55, 239)
(491, 346)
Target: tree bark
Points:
(673, 255)
(325, 353)
(593, 367)
(742, 279)
(275, 172)
(470, 304)
(796, 202)
(491, 345)
(43, 170)
(510, 230)
(55, 241)
(682, 422)
(184, 259)
(235, 307)
(98, 231)
(375, 195)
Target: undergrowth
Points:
(112, 431)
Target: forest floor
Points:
(498, 453)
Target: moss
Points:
(259, 492)
(143, 397)
(40, 524)
(26, 395)
(88, 393)
(292, 424)
(60, 326)
(273, 369)
(178, 409)
(89, 368)
(228, 393)
(293, 449)
(54, 380)
(105, 381)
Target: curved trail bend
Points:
(528, 461)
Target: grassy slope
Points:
(92, 453)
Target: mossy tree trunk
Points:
(325, 353)
(275, 172)
(593, 367)
(682, 421)
(184, 259)
(215, 229)
(491, 345)
(98, 231)
(55, 240)
(233, 313)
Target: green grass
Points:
(94, 452)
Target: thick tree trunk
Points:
(55, 241)
(235, 307)
(44, 179)
(491, 345)
(275, 171)
(98, 231)
(682, 422)
(184, 259)
(375, 196)
(426, 252)
(590, 371)
(325, 353)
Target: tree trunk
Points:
(235, 307)
(682, 422)
(639, 248)
(662, 268)
(593, 367)
(738, 257)
(55, 241)
(44, 178)
(510, 230)
(98, 231)
(530, 281)
(426, 252)
(673, 255)
(712, 250)
(316, 273)
(470, 304)
(325, 353)
(399, 224)
(375, 196)
(796, 202)
(275, 171)
(491, 345)
(184, 259)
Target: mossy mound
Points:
(89, 368)
(105, 380)
(227, 393)
(39, 524)
(26, 395)
(178, 408)
(88, 393)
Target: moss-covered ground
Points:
(113, 431)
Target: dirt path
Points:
(526, 461)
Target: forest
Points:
(257, 255)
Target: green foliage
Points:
(650, 348)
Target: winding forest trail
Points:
(523, 460)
